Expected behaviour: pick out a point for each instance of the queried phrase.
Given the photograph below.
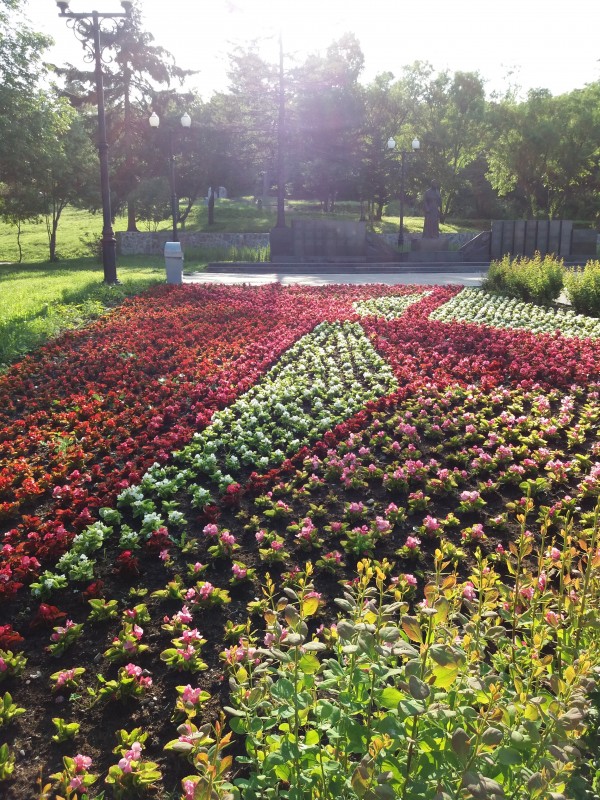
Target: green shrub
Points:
(231, 253)
(583, 289)
(537, 279)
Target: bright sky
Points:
(530, 43)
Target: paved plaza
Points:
(445, 278)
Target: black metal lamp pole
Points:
(174, 199)
(401, 229)
(280, 142)
(186, 122)
(88, 26)
(403, 153)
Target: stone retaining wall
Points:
(455, 240)
(148, 243)
(153, 243)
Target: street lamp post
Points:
(403, 153)
(87, 27)
(185, 122)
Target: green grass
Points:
(79, 229)
(40, 301)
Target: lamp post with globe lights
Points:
(185, 122)
(88, 28)
(403, 153)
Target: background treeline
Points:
(498, 156)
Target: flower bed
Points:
(226, 510)
(475, 305)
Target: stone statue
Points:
(432, 209)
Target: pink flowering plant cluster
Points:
(309, 542)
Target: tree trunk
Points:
(52, 241)
(211, 207)
(19, 241)
(131, 221)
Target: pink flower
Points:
(76, 782)
(191, 636)
(469, 497)
(554, 554)
(542, 580)
(205, 590)
(198, 567)
(552, 618)
(275, 545)
(189, 789)
(81, 763)
(477, 531)
(412, 542)
(527, 592)
(191, 695)
(431, 524)
(184, 616)
(227, 539)
(133, 670)
(410, 579)
(239, 573)
(210, 529)
(382, 524)
(469, 591)
(164, 555)
(260, 535)
(4, 666)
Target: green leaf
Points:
(411, 627)
(283, 689)
(312, 737)
(411, 708)
(309, 664)
(461, 744)
(492, 736)
(384, 792)
(418, 688)
(445, 676)
(508, 756)
(482, 788)
(446, 656)
(390, 697)
(360, 780)
(442, 607)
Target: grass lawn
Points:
(78, 229)
(40, 300)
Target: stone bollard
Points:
(174, 262)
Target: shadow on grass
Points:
(75, 307)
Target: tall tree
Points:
(139, 67)
(448, 116)
(384, 114)
(21, 68)
(329, 118)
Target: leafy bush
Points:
(583, 289)
(537, 279)
(231, 253)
